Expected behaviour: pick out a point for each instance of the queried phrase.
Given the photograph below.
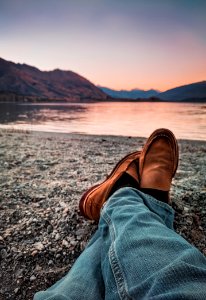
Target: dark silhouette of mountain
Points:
(132, 94)
(21, 82)
(22, 79)
(191, 92)
(195, 92)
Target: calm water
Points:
(186, 120)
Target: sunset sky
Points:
(120, 44)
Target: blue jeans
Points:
(134, 254)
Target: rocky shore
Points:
(42, 178)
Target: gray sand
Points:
(43, 176)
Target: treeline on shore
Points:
(13, 97)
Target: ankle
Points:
(160, 195)
(125, 181)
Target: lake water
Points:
(186, 120)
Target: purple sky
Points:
(119, 44)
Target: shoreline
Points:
(82, 135)
(120, 100)
(43, 177)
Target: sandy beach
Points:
(42, 178)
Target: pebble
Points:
(63, 204)
(3, 253)
(189, 222)
(34, 252)
(57, 236)
(32, 278)
(50, 262)
(49, 228)
(19, 273)
(80, 232)
(39, 246)
(66, 210)
(186, 209)
(38, 268)
(73, 243)
(65, 243)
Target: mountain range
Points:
(190, 92)
(21, 82)
(132, 94)
(22, 79)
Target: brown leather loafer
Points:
(158, 161)
(91, 202)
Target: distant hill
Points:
(191, 92)
(21, 82)
(22, 79)
(132, 94)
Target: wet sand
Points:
(42, 178)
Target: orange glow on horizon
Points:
(164, 86)
(157, 84)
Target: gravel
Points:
(43, 176)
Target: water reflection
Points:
(38, 113)
(187, 120)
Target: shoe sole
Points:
(83, 200)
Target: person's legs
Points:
(143, 258)
(135, 254)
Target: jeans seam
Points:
(114, 262)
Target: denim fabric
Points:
(134, 254)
